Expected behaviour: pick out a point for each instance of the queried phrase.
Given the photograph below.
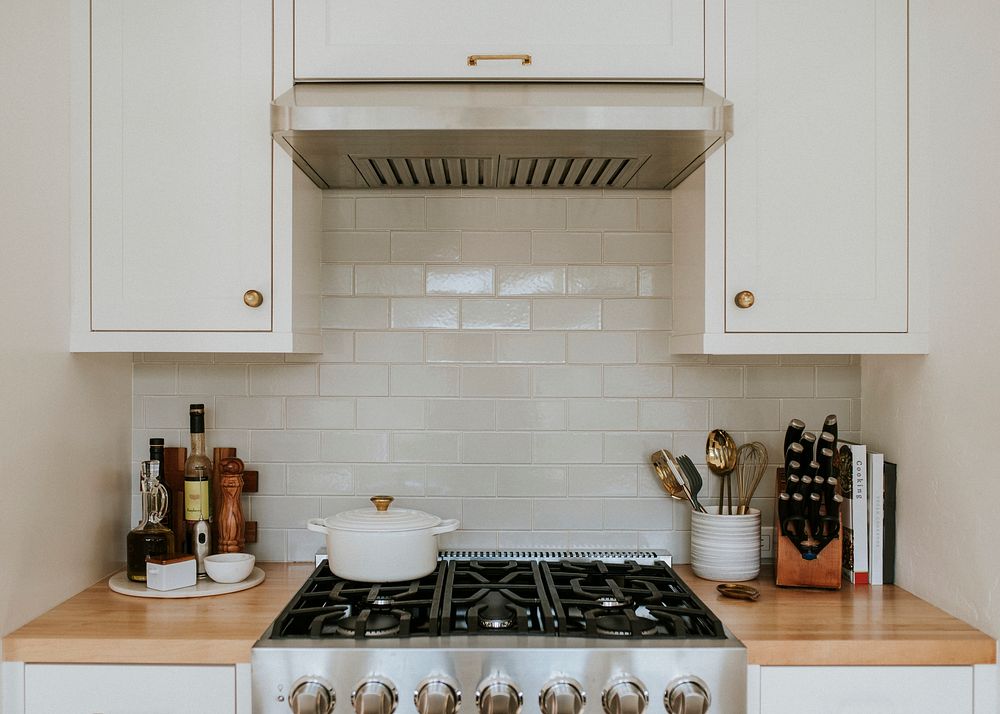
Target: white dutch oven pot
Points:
(376, 546)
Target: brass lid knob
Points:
(382, 502)
(744, 299)
(253, 298)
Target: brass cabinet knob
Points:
(744, 299)
(253, 298)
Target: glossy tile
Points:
(389, 346)
(459, 280)
(390, 413)
(638, 248)
(575, 381)
(496, 247)
(482, 314)
(461, 414)
(353, 380)
(389, 280)
(426, 246)
(424, 380)
(531, 281)
(495, 381)
(603, 280)
(458, 347)
(319, 413)
(528, 213)
(532, 347)
(425, 313)
(565, 248)
(356, 247)
(566, 314)
(351, 313)
(602, 347)
(530, 414)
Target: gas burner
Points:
(377, 624)
(610, 602)
(620, 625)
(493, 613)
(381, 601)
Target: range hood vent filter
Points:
(426, 172)
(564, 172)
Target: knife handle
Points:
(792, 484)
(794, 432)
(808, 442)
(830, 425)
(794, 453)
(814, 518)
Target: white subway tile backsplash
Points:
(494, 247)
(638, 248)
(531, 481)
(602, 280)
(424, 381)
(496, 448)
(603, 414)
(426, 246)
(601, 347)
(602, 214)
(389, 280)
(212, 379)
(498, 356)
(396, 212)
(425, 313)
(287, 379)
(566, 314)
(459, 280)
(247, 413)
(354, 313)
(458, 347)
(638, 381)
(482, 314)
(637, 314)
(389, 346)
(356, 247)
(530, 414)
(337, 279)
(468, 213)
(320, 480)
(533, 347)
(565, 248)
(531, 281)
(354, 380)
(566, 448)
(319, 413)
(461, 414)
(390, 413)
(575, 381)
(536, 213)
(348, 446)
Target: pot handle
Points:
(318, 525)
(446, 526)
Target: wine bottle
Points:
(197, 491)
(150, 537)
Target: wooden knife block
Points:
(791, 570)
(173, 478)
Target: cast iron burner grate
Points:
(566, 598)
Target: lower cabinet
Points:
(861, 690)
(132, 689)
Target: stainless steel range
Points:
(500, 636)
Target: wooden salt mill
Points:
(230, 525)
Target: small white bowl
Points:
(229, 567)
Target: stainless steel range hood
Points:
(507, 135)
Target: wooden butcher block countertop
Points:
(854, 626)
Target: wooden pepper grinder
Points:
(230, 524)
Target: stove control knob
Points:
(625, 696)
(687, 695)
(311, 695)
(437, 695)
(374, 696)
(562, 696)
(497, 695)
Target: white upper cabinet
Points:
(182, 203)
(804, 212)
(435, 39)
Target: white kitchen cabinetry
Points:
(864, 690)
(182, 203)
(434, 39)
(129, 689)
(805, 208)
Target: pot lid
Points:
(381, 519)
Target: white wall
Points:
(64, 419)
(937, 416)
(500, 357)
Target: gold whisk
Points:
(751, 462)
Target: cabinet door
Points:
(128, 689)
(817, 165)
(865, 690)
(180, 164)
(586, 39)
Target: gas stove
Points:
(626, 636)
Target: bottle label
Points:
(196, 504)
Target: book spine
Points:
(876, 519)
(889, 565)
(859, 513)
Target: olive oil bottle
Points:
(150, 537)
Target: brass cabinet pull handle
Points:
(744, 299)
(475, 59)
(253, 298)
